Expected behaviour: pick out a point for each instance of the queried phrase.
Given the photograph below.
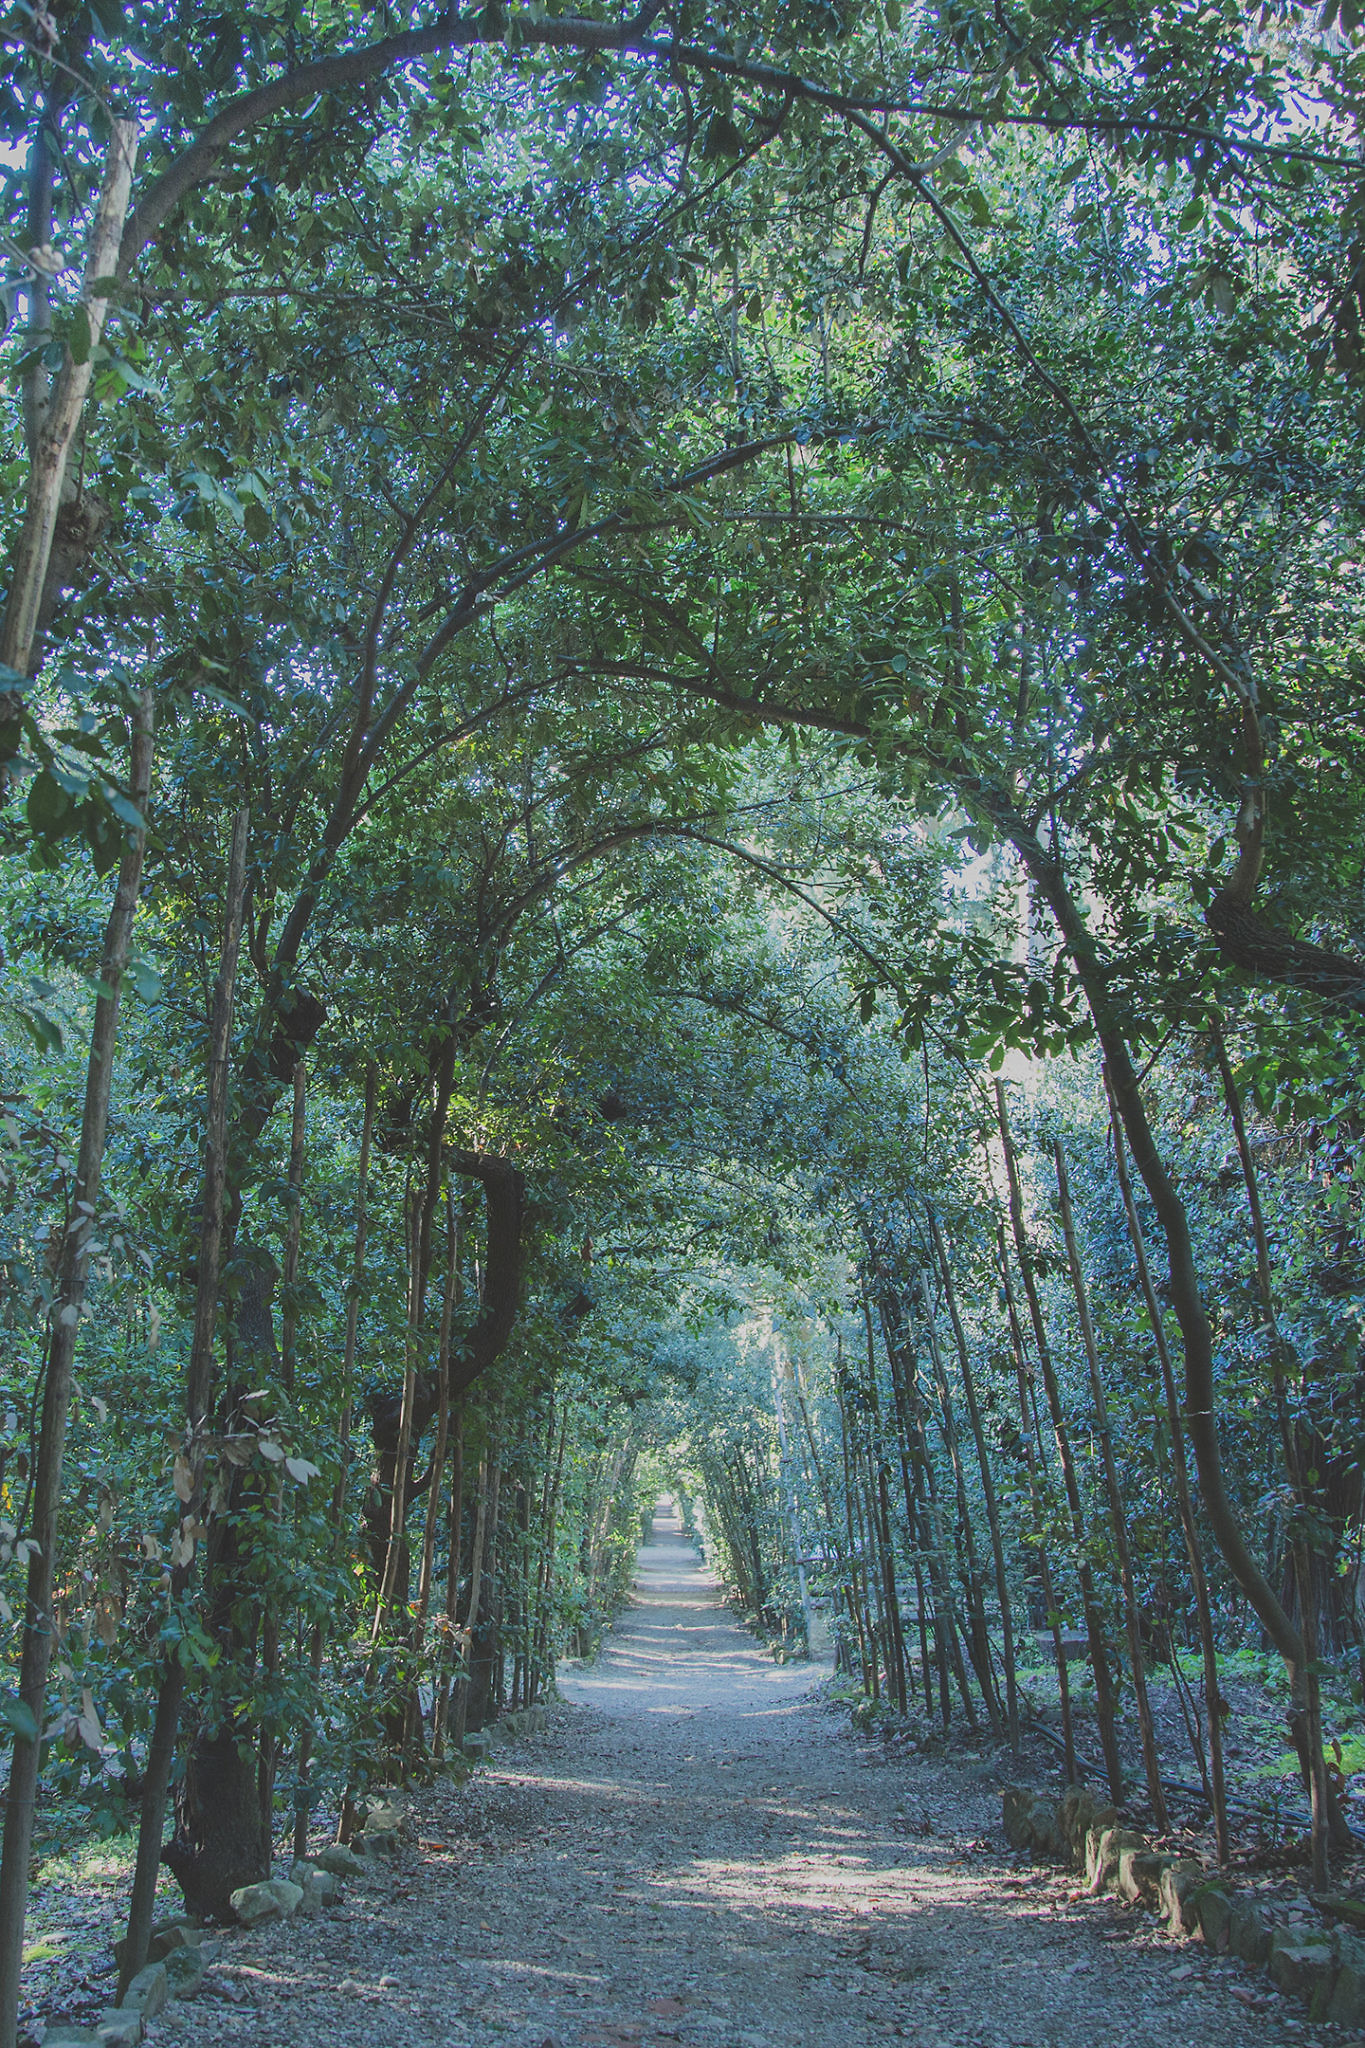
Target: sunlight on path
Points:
(698, 1856)
(676, 1652)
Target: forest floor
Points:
(701, 1855)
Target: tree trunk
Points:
(1151, 1762)
(1329, 1827)
(317, 1644)
(1002, 1589)
(438, 1456)
(222, 1839)
(978, 1636)
(449, 1620)
(1187, 1300)
(1214, 1706)
(948, 1647)
(1038, 1505)
(198, 1385)
(60, 424)
(71, 1282)
(1094, 1625)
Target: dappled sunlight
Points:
(696, 1857)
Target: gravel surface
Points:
(698, 1855)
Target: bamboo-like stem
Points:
(198, 1387)
(1002, 1588)
(1037, 1502)
(348, 1351)
(978, 1638)
(1151, 1762)
(1329, 1829)
(1094, 1624)
(1213, 1696)
(449, 1299)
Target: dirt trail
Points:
(699, 1856)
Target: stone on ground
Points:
(148, 1992)
(275, 1898)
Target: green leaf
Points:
(123, 808)
(78, 341)
(48, 808)
(145, 980)
(18, 1717)
(722, 139)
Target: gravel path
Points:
(699, 1856)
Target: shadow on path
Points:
(699, 1856)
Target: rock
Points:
(1297, 1934)
(1212, 1907)
(1030, 1821)
(290, 1896)
(119, 2026)
(1348, 1948)
(66, 2034)
(384, 1818)
(1044, 1838)
(166, 1936)
(148, 1991)
(1304, 1969)
(253, 1903)
(274, 1899)
(1139, 1875)
(1075, 1817)
(477, 1745)
(1346, 2003)
(338, 1860)
(1179, 1881)
(1249, 1934)
(1352, 1911)
(1104, 1824)
(185, 1970)
(1074, 1646)
(1102, 1860)
(320, 1888)
(172, 1935)
(1018, 1812)
(372, 1846)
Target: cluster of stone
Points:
(179, 1952)
(178, 1956)
(1324, 1964)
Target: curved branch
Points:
(504, 1194)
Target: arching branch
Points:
(504, 1194)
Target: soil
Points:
(701, 1854)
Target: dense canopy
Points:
(682, 724)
